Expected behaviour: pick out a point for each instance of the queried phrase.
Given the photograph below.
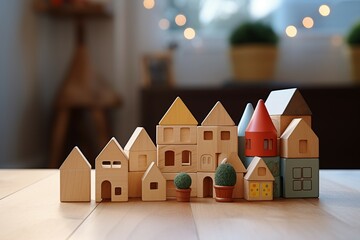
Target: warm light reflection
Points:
(149, 4)
(189, 33)
(164, 24)
(324, 10)
(291, 31)
(308, 22)
(180, 20)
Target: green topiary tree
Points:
(182, 180)
(253, 32)
(225, 175)
(353, 37)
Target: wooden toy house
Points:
(260, 134)
(75, 178)
(258, 181)
(140, 151)
(299, 160)
(153, 184)
(111, 168)
(285, 105)
(244, 122)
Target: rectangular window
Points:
(225, 135)
(208, 135)
(184, 135)
(169, 158)
(302, 146)
(106, 164)
(261, 171)
(248, 144)
(142, 162)
(118, 191)
(116, 164)
(168, 135)
(266, 144)
(186, 158)
(154, 185)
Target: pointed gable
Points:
(152, 172)
(287, 102)
(112, 151)
(140, 141)
(235, 161)
(253, 171)
(75, 160)
(245, 119)
(298, 127)
(260, 120)
(178, 114)
(218, 116)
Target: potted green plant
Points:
(253, 51)
(182, 183)
(353, 40)
(225, 180)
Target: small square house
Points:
(258, 181)
(111, 168)
(153, 184)
(75, 178)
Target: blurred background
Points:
(77, 72)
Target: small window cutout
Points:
(118, 191)
(208, 135)
(116, 164)
(106, 164)
(266, 144)
(185, 135)
(261, 171)
(154, 185)
(168, 135)
(248, 144)
(225, 135)
(186, 158)
(169, 158)
(302, 146)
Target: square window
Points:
(306, 172)
(208, 135)
(261, 171)
(118, 191)
(225, 135)
(297, 185)
(307, 185)
(153, 185)
(297, 173)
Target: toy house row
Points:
(145, 170)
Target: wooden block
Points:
(178, 114)
(75, 178)
(241, 148)
(273, 163)
(218, 116)
(300, 177)
(135, 184)
(277, 192)
(140, 141)
(177, 158)
(205, 185)
(260, 134)
(234, 160)
(111, 167)
(282, 122)
(140, 161)
(299, 141)
(177, 134)
(170, 186)
(258, 181)
(245, 119)
(153, 185)
(213, 141)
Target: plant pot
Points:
(224, 193)
(183, 195)
(254, 62)
(355, 64)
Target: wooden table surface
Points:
(30, 209)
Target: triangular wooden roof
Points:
(178, 114)
(235, 161)
(218, 116)
(298, 126)
(260, 120)
(152, 172)
(112, 151)
(287, 102)
(75, 160)
(252, 173)
(140, 141)
(245, 119)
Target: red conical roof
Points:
(260, 120)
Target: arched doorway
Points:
(208, 187)
(106, 191)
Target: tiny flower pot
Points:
(183, 195)
(224, 193)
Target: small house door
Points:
(208, 187)
(106, 191)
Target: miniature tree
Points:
(225, 180)
(182, 182)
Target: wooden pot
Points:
(254, 62)
(183, 195)
(224, 193)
